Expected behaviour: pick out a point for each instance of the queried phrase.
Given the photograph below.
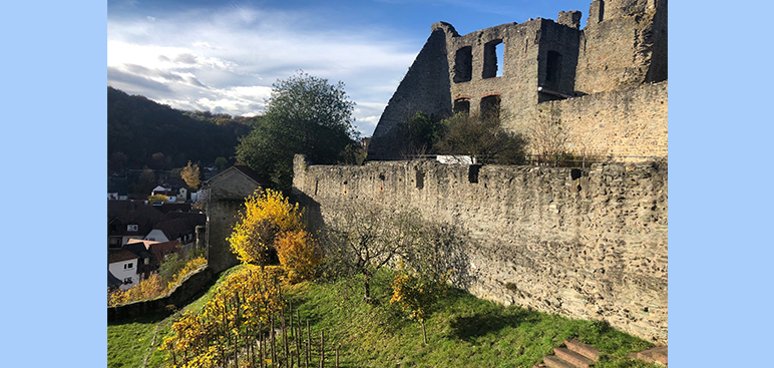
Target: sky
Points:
(223, 56)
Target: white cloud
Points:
(226, 61)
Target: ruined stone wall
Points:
(524, 65)
(517, 87)
(628, 124)
(623, 44)
(425, 88)
(582, 243)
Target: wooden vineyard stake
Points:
(322, 349)
(298, 341)
(337, 356)
(273, 344)
(285, 339)
(308, 342)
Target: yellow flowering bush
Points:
(266, 216)
(298, 254)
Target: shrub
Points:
(298, 254)
(482, 138)
(266, 216)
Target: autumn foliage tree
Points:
(298, 254)
(414, 294)
(270, 222)
(191, 175)
(266, 215)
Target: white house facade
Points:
(126, 271)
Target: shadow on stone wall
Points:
(443, 253)
(313, 218)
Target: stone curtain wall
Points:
(183, 294)
(629, 124)
(582, 243)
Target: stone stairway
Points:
(575, 354)
(657, 355)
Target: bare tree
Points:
(365, 239)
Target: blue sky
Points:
(223, 56)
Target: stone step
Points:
(552, 361)
(587, 351)
(658, 355)
(576, 359)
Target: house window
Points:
(490, 107)
(132, 227)
(128, 266)
(492, 68)
(128, 280)
(463, 64)
(462, 105)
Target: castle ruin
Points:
(604, 85)
(585, 242)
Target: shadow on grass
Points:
(145, 319)
(486, 322)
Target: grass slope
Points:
(135, 343)
(463, 331)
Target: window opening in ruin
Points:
(463, 64)
(490, 107)
(462, 105)
(473, 173)
(493, 50)
(553, 70)
(420, 179)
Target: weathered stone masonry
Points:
(586, 243)
(621, 51)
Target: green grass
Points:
(463, 331)
(132, 344)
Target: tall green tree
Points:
(481, 137)
(306, 115)
(419, 135)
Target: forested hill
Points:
(144, 133)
